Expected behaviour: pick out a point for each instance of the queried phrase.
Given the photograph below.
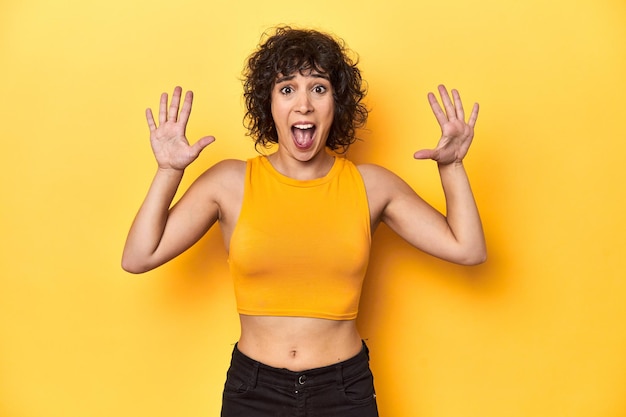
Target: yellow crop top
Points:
(301, 248)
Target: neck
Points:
(311, 169)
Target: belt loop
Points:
(254, 375)
(339, 376)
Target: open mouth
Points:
(303, 134)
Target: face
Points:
(302, 109)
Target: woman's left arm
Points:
(458, 236)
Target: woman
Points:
(297, 223)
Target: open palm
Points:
(169, 143)
(456, 133)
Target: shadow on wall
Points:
(199, 278)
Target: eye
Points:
(286, 90)
(319, 89)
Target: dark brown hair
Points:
(289, 50)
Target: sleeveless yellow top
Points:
(301, 248)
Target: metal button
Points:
(302, 379)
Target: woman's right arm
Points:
(159, 233)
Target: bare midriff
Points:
(298, 343)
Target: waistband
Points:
(258, 373)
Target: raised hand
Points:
(169, 143)
(456, 133)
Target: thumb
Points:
(424, 154)
(201, 144)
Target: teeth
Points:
(303, 127)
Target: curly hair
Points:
(289, 50)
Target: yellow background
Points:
(539, 330)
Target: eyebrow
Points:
(292, 76)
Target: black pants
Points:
(345, 389)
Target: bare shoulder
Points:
(228, 168)
(221, 182)
(220, 187)
(382, 187)
(371, 170)
(231, 165)
(378, 179)
(227, 173)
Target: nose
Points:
(303, 103)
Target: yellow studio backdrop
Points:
(536, 331)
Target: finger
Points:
(424, 154)
(473, 115)
(437, 110)
(172, 113)
(460, 113)
(201, 144)
(186, 110)
(447, 103)
(163, 109)
(150, 119)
